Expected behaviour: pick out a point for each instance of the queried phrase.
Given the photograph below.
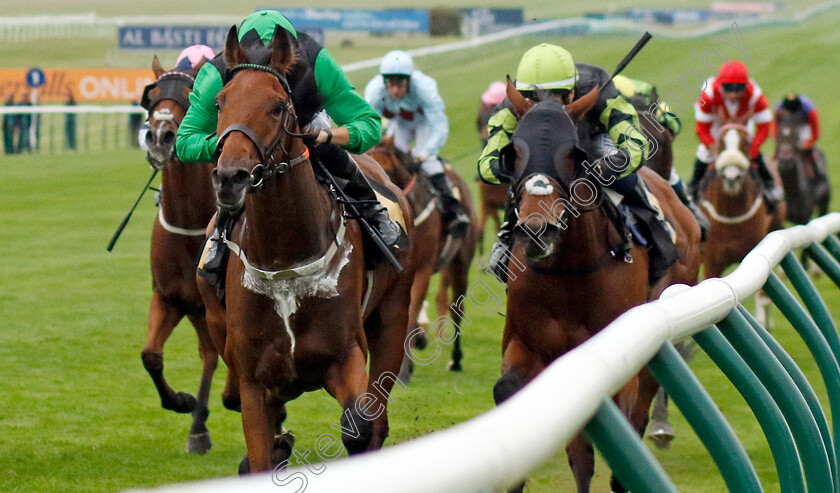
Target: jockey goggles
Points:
(734, 87)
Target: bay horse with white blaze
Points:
(301, 312)
(451, 259)
(733, 200)
(186, 205)
(569, 276)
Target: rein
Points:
(269, 167)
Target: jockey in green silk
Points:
(320, 91)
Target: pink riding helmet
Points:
(194, 54)
(494, 94)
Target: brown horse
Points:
(186, 205)
(568, 277)
(732, 198)
(731, 195)
(301, 311)
(806, 192)
(436, 256)
(660, 157)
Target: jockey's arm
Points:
(704, 117)
(621, 121)
(762, 131)
(359, 125)
(814, 123)
(762, 118)
(433, 109)
(196, 140)
(500, 127)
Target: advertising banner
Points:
(390, 20)
(87, 85)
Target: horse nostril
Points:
(168, 138)
(241, 177)
(150, 139)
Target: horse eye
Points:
(277, 109)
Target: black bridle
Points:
(171, 85)
(268, 165)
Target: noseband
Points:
(171, 85)
(268, 165)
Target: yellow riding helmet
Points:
(546, 66)
(625, 86)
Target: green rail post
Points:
(766, 411)
(832, 244)
(813, 337)
(630, 460)
(802, 384)
(825, 261)
(772, 374)
(672, 372)
(813, 301)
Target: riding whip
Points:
(374, 234)
(632, 54)
(124, 222)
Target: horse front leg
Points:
(259, 432)
(346, 383)
(519, 366)
(199, 440)
(581, 456)
(386, 343)
(163, 318)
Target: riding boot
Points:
(663, 253)
(500, 253)
(339, 164)
(214, 265)
(772, 193)
(452, 212)
(701, 218)
(694, 184)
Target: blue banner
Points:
(484, 20)
(180, 37)
(172, 37)
(391, 20)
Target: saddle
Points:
(642, 220)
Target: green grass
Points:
(80, 414)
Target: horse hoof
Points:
(245, 466)
(454, 366)
(661, 434)
(182, 403)
(421, 341)
(199, 443)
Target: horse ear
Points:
(282, 52)
(520, 104)
(576, 109)
(156, 68)
(234, 54)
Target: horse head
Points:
(732, 163)
(258, 129)
(549, 177)
(787, 141)
(167, 101)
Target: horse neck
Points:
(733, 205)
(186, 192)
(288, 221)
(663, 158)
(585, 239)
